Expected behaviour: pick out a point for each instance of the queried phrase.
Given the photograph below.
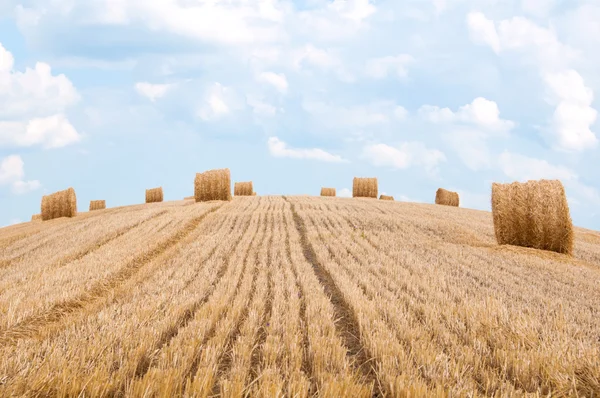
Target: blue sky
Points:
(115, 96)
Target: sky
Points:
(112, 97)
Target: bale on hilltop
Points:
(36, 217)
(97, 204)
(327, 191)
(243, 188)
(212, 185)
(447, 198)
(59, 204)
(364, 187)
(533, 214)
(386, 197)
(154, 195)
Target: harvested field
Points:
(293, 296)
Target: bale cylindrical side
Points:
(445, 197)
(533, 214)
(154, 195)
(386, 197)
(36, 217)
(364, 187)
(243, 188)
(212, 185)
(59, 204)
(97, 205)
(328, 192)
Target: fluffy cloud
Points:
(260, 107)
(12, 172)
(279, 149)
(380, 68)
(152, 91)
(404, 156)
(219, 101)
(50, 132)
(23, 187)
(277, 80)
(344, 193)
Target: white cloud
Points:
(483, 30)
(260, 107)
(51, 132)
(523, 168)
(11, 169)
(219, 101)
(380, 68)
(344, 193)
(7, 60)
(405, 155)
(277, 80)
(152, 91)
(279, 149)
(23, 187)
(356, 10)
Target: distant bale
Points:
(59, 204)
(189, 197)
(212, 185)
(327, 191)
(533, 214)
(447, 198)
(386, 197)
(253, 193)
(154, 195)
(364, 187)
(36, 217)
(97, 205)
(243, 188)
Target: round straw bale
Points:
(36, 217)
(533, 214)
(154, 195)
(59, 204)
(212, 185)
(386, 197)
(97, 204)
(327, 191)
(243, 188)
(253, 193)
(364, 187)
(448, 198)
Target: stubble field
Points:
(293, 296)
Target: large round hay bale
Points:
(327, 191)
(364, 187)
(243, 188)
(36, 217)
(59, 204)
(154, 195)
(533, 214)
(97, 205)
(447, 198)
(212, 185)
(386, 197)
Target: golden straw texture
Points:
(364, 187)
(36, 217)
(253, 193)
(189, 197)
(154, 195)
(213, 185)
(386, 197)
(327, 191)
(97, 204)
(448, 198)
(533, 214)
(243, 188)
(59, 204)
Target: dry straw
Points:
(212, 185)
(533, 214)
(448, 198)
(189, 197)
(97, 204)
(59, 204)
(327, 191)
(386, 197)
(253, 193)
(243, 188)
(154, 195)
(364, 187)
(36, 217)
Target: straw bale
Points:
(154, 195)
(327, 191)
(364, 187)
(243, 188)
(36, 217)
(189, 197)
(213, 185)
(386, 197)
(533, 214)
(97, 204)
(253, 193)
(448, 198)
(59, 204)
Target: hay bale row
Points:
(327, 191)
(154, 195)
(533, 214)
(59, 204)
(364, 187)
(243, 188)
(97, 205)
(212, 185)
(447, 198)
(386, 197)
